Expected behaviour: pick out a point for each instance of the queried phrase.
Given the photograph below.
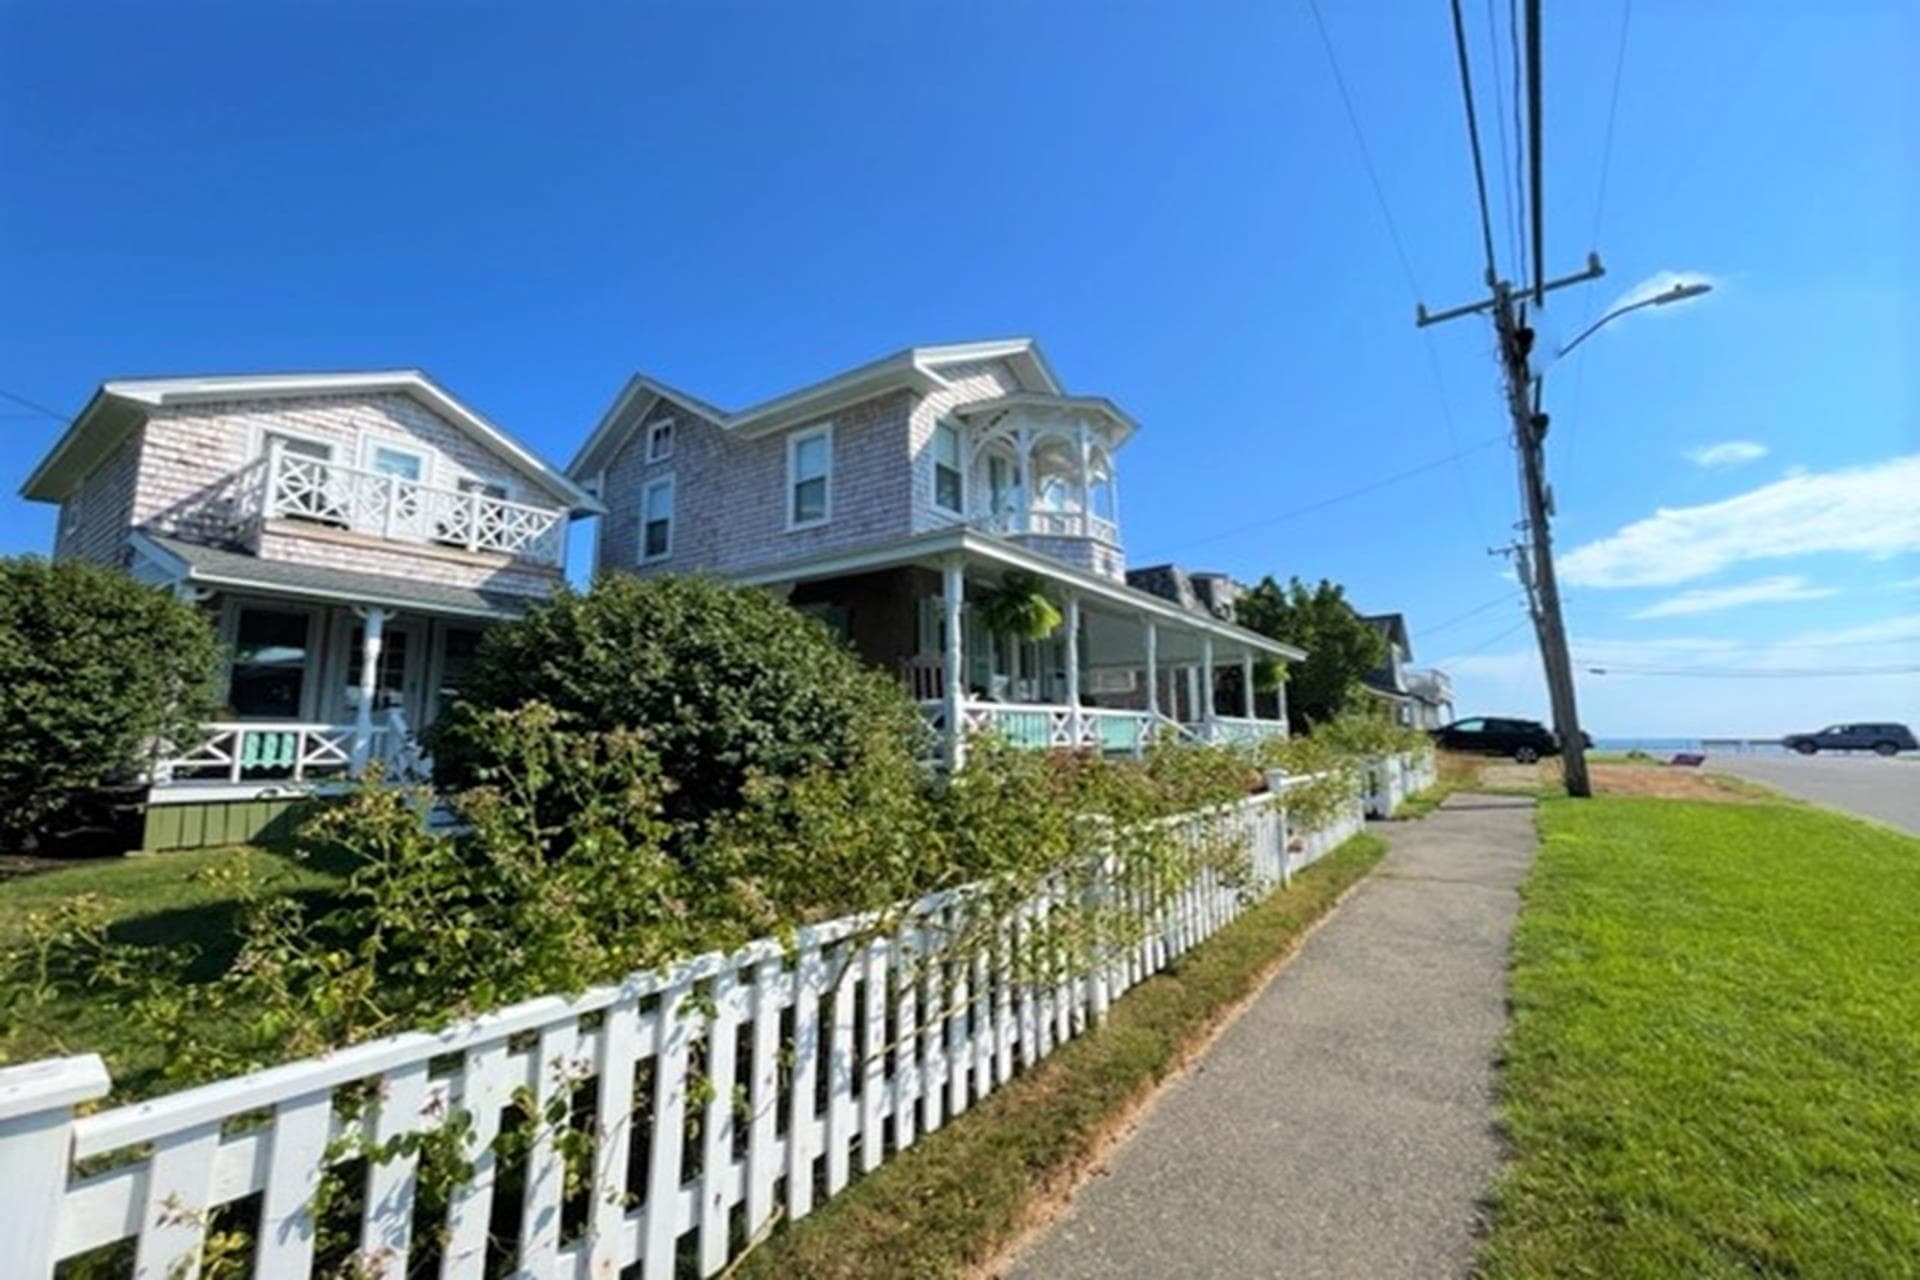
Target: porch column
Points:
(1246, 684)
(1073, 666)
(1206, 683)
(1280, 703)
(952, 591)
(1193, 715)
(1083, 457)
(1024, 438)
(373, 626)
(1153, 687)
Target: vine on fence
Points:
(568, 873)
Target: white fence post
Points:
(36, 1149)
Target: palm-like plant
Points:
(1019, 607)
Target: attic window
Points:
(660, 440)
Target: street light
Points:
(1679, 293)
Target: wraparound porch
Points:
(1124, 667)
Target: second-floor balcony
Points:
(1040, 469)
(309, 490)
(1045, 523)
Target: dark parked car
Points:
(1524, 740)
(1881, 739)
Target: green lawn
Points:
(163, 900)
(1714, 1063)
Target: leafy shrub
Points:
(730, 686)
(94, 668)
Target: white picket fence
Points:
(1391, 779)
(699, 1140)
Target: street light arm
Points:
(1679, 293)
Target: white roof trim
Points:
(157, 392)
(915, 367)
(989, 547)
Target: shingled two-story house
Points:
(350, 535)
(885, 499)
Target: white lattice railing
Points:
(293, 751)
(798, 1066)
(1051, 524)
(298, 487)
(260, 751)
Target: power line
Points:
(1474, 612)
(1366, 154)
(25, 403)
(1491, 640)
(1535, 147)
(1336, 499)
(1473, 136)
(1599, 213)
(1509, 193)
(1467, 488)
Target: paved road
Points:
(1887, 790)
(1344, 1126)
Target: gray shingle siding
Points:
(95, 519)
(730, 494)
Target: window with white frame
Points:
(948, 493)
(660, 440)
(401, 464)
(809, 473)
(656, 520)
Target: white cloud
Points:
(1728, 453)
(1869, 510)
(1759, 591)
(1663, 282)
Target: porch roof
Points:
(218, 569)
(929, 548)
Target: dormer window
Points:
(948, 493)
(660, 440)
(809, 471)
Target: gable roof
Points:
(1393, 626)
(118, 406)
(912, 368)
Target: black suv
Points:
(1524, 740)
(1881, 739)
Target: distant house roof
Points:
(915, 368)
(1212, 595)
(224, 570)
(1394, 627)
(118, 406)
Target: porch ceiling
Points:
(223, 570)
(1126, 607)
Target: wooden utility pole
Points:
(1529, 438)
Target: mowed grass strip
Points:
(162, 901)
(1714, 1062)
(957, 1196)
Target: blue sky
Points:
(531, 202)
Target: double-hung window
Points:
(809, 473)
(660, 440)
(656, 520)
(947, 490)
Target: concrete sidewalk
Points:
(1344, 1126)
